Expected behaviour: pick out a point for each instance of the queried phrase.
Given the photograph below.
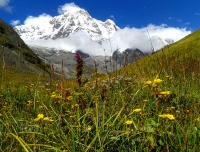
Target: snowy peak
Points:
(64, 25)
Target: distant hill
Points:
(55, 57)
(16, 54)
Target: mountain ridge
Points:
(64, 25)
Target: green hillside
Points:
(16, 56)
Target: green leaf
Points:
(153, 123)
(161, 142)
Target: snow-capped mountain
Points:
(67, 24)
(74, 29)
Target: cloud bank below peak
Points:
(122, 39)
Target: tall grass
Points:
(151, 105)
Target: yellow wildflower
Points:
(164, 92)
(58, 97)
(39, 117)
(148, 82)
(129, 122)
(145, 100)
(157, 81)
(53, 93)
(48, 119)
(137, 110)
(53, 96)
(89, 128)
(69, 98)
(75, 105)
(169, 116)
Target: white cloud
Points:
(165, 31)
(122, 39)
(42, 20)
(138, 37)
(15, 22)
(77, 41)
(4, 3)
(68, 7)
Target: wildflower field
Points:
(150, 105)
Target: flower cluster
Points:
(68, 96)
(154, 85)
(41, 117)
(56, 95)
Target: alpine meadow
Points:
(132, 101)
(149, 105)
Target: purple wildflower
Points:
(79, 68)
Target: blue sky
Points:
(166, 19)
(131, 13)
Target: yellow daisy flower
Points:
(129, 122)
